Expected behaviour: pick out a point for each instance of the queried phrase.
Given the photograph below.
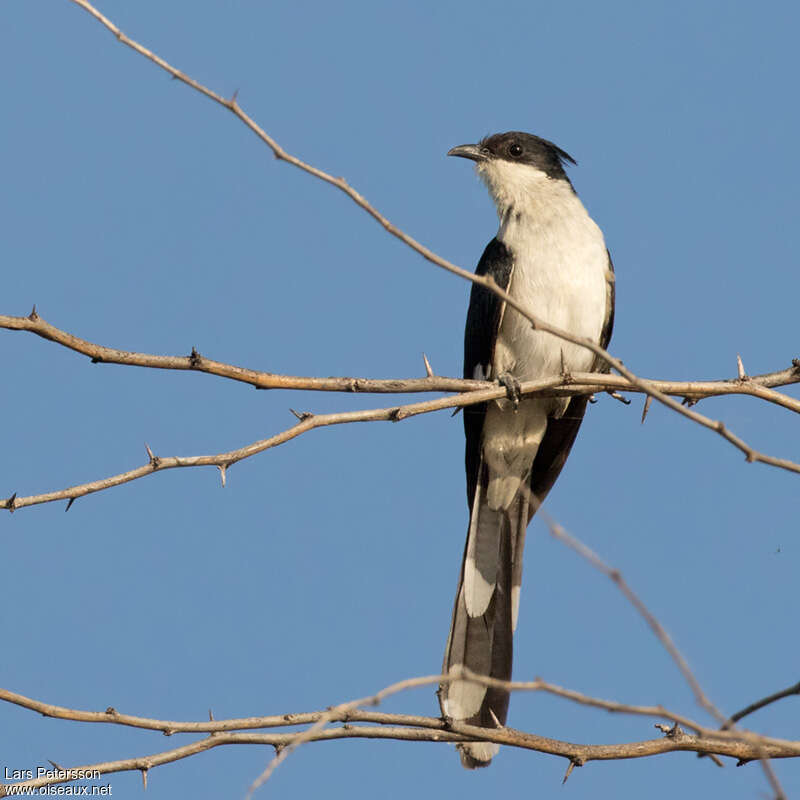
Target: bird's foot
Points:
(513, 388)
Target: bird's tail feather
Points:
(484, 618)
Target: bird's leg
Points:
(512, 387)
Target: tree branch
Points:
(578, 383)
(742, 745)
(312, 421)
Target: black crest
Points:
(525, 148)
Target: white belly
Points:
(560, 274)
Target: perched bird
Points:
(550, 256)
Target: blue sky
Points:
(137, 214)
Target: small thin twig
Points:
(759, 704)
(579, 547)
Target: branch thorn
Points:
(665, 729)
(222, 469)
(10, 502)
(428, 368)
(144, 779)
(210, 715)
(69, 504)
(670, 731)
(740, 368)
(153, 459)
(647, 401)
(194, 359)
(302, 415)
(55, 765)
(33, 316)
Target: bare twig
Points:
(195, 362)
(579, 547)
(666, 640)
(759, 704)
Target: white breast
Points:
(560, 274)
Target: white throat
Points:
(524, 189)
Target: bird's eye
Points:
(515, 150)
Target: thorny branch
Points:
(577, 383)
(741, 745)
(308, 422)
(759, 386)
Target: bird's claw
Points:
(513, 388)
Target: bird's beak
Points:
(470, 151)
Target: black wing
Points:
(483, 322)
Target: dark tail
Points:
(484, 618)
(485, 611)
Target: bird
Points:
(551, 257)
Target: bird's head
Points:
(517, 166)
